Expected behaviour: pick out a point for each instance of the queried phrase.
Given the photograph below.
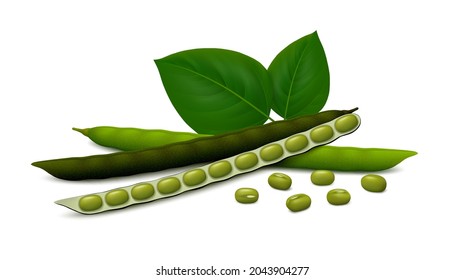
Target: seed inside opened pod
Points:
(219, 169)
(271, 152)
(246, 161)
(142, 191)
(168, 185)
(321, 134)
(296, 143)
(346, 123)
(194, 177)
(116, 197)
(90, 202)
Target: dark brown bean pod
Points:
(182, 154)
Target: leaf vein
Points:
(226, 88)
(292, 81)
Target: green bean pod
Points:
(323, 157)
(130, 138)
(220, 170)
(347, 159)
(200, 150)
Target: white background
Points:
(90, 63)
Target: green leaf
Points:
(216, 90)
(300, 78)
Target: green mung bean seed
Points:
(168, 185)
(271, 152)
(322, 177)
(194, 177)
(220, 169)
(280, 181)
(298, 202)
(346, 123)
(90, 202)
(142, 191)
(338, 197)
(373, 183)
(116, 197)
(321, 133)
(246, 161)
(296, 143)
(246, 195)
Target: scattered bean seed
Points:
(373, 183)
(338, 197)
(280, 181)
(246, 195)
(322, 177)
(298, 202)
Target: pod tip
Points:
(68, 203)
(84, 131)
